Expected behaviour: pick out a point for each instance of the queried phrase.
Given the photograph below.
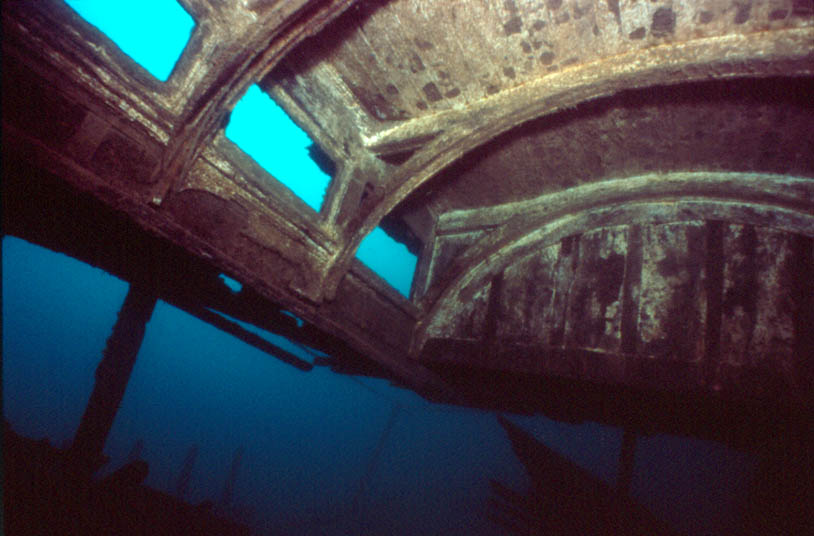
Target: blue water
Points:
(153, 33)
(388, 258)
(308, 439)
(264, 131)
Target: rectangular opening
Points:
(153, 33)
(263, 130)
(233, 284)
(390, 259)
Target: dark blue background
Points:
(308, 438)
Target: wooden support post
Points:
(112, 376)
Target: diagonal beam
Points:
(112, 377)
(248, 48)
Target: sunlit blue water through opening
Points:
(152, 32)
(234, 285)
(388, 258)
(264, 131)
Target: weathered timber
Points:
(568, 172)
(113, 375)
(650, 315)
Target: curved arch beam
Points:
(247, 52)
(755, 199)
(454, 133)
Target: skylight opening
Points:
(265, 132)
(388, 258)
(233, 284)
(300, 322)
(153, 33)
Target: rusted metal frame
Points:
(208, 104)
(511, 242)
(456, 132)
(330, 145)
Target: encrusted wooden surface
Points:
(397, 65)
(763, 126)
(692, 305)
(488, 135)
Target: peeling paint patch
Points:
(424, 45)
(415, 63)
(672, 305)
(432, 92)
(638, 33)
(375, 103)
(513, 26)
(594, 306)
(527, 297)
(743, 12)
(664, 22)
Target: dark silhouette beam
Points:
(112, 376)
